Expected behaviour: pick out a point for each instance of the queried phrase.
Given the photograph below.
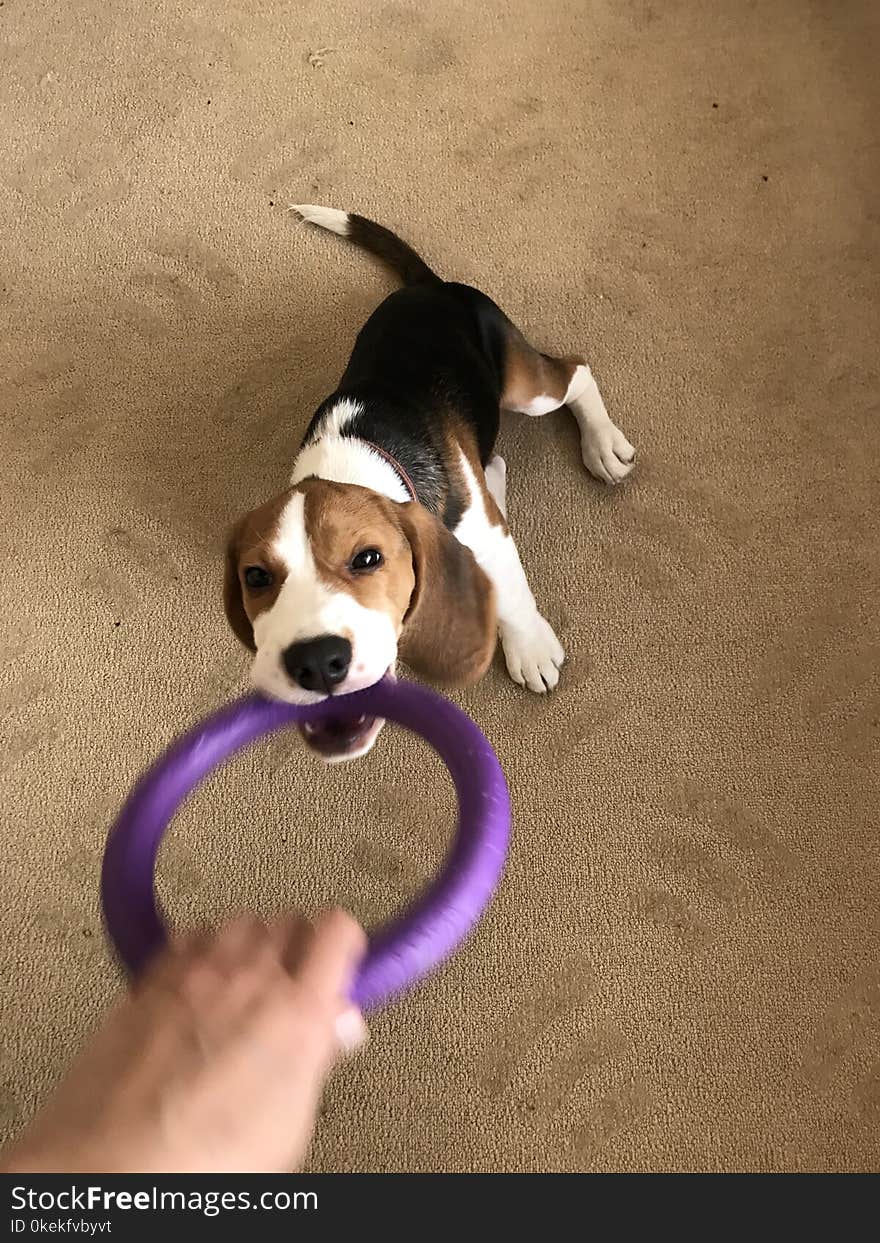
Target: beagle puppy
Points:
(392, 537)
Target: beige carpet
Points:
(681, 971)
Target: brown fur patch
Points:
(529, 374)
(342, 520)
(462, 438)
(450, 631)
(249, 543)
(454, 431)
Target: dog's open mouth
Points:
(341, 737)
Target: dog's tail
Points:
(373, 237)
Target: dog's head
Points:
(326, 582)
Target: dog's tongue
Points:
(337, 734)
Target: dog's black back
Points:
(430, 351)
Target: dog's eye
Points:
(257, 578)
(366, 560)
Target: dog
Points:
(392, 538)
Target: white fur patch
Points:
(338, 417)
(539, 406)
(330, 218)
(345, 459)
(496, 481)
(306, 608)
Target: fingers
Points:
(245, 942)
(329, 957)
(321, 961)
(249, 961)
(216, 952)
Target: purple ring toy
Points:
(405, 950)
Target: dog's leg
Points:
(531, 649)
(535, 384)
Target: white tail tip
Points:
(324, 217)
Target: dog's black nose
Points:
(318, 664)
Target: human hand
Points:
(216, 1061)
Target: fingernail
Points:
(351, 1030)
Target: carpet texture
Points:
(681, 969)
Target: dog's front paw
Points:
(606, 452)
(533, 654)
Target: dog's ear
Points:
(233, 602)
(449, 632)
